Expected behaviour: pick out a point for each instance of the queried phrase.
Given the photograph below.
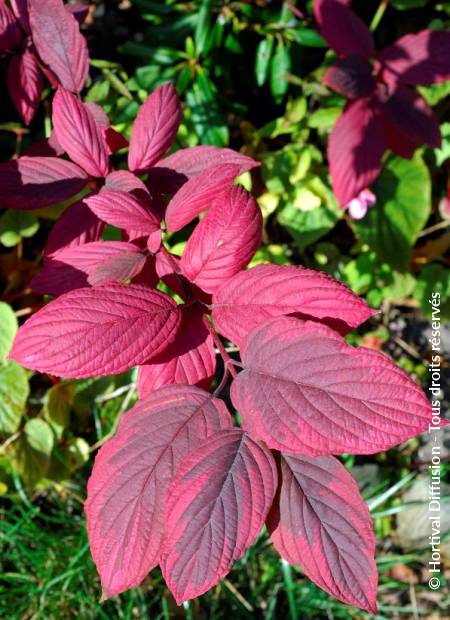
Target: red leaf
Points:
(10, 33)
(224, 241)
(114, 140)
(407, 114)
(155, 128)
(97, 331)
(124, 181)
(254, 296)
(59, 42)
(305, 391)
(131, 475)
(342, 29)
(198, 193)
(77, 225)
(78, 133)
(190, 359)
(321, 523)
(123, 210)
(215, 508)
(25, 84)
(35, 182)
(355, 148)
(351, 77)
(192, 161)
(422, 58)
(90, 264)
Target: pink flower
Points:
(384, 110)
(358, 207)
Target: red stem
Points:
(226, 358)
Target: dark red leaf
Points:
(155, 128)
(422, 58)
(59, 42)
(97, 331)
(79, 11)
(342, 29)
(123, 210)
(131, 475)
(305, 391)
(90, 264)
(224, 241)
(25, 84)
(198, 193)
(321, 523)
(351, 77)
(215, 508)
(124, 181)
(77, 225)
(10, 33)
(36, 182)
(20, 9)
(254, 296)
(355, 148)
(79, 134)
(190, 359)
(407, 114)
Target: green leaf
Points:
(14, 392)
(308, 37)
(32, 453)
(306, 227)
(203, 26)
(263, 56)
(39, 435)
(403, 193)
(325, 118)
(404, 5)
(443, 153)
(9, 326)
(433, 281)
(280, 67)
(58, 404)
(205, 112)
(15, 225)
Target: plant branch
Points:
(226, 358)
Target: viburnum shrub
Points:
(181, 485)
(384, 110)
(43, 36)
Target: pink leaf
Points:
(224, 241)
(25, 84)
(78, 133)
(131, 475)
(408, 115)
(36, 182)
(190, 359)
(342, 29)
(215, 508)
(198, 193)
(305, 391)
(422, 58)
(10, 33)
(79, 10)
(123, 210)
(77, 225)
(155, 128)
(351, 77)
(59, 42)
(321, 523)
(90, 264)
(355, 148)
(97, 331)
(254, 296)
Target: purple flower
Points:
(384, 110)
(358, 207)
